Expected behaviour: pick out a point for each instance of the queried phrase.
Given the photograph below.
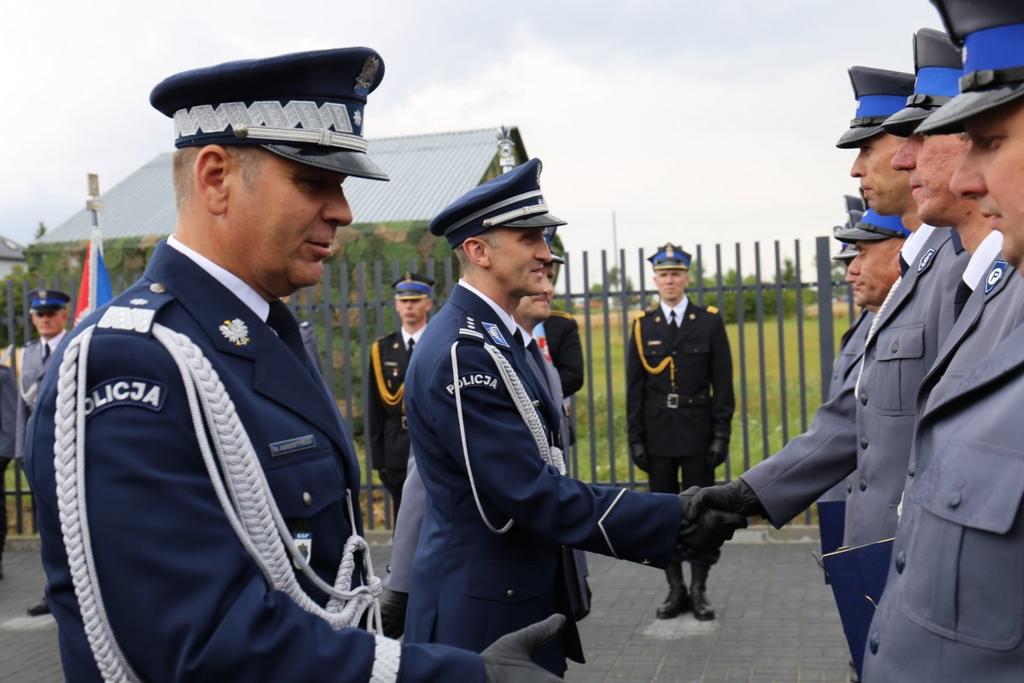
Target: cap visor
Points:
(845, 257)
(344, 161)
(904, 122)
(540, 220)
(859, 234)
(950, 117)
(555, 258)
(855, 137)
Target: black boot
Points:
(677, 601)
(698, 591)
(39, 609)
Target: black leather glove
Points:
(392, 612)
(639, 455)
(507, 660)
(736, 496)
(718, 451)
(701, 535)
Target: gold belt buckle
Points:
(672, 400)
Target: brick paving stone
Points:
(776, 622)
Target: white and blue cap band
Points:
(992, 35)
(880, 93)
(938, 65)
(510, 200)
(307, 106)
(670, 257)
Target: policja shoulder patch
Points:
(476, 379)
(125, 391)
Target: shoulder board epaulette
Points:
(562, 314)
(469, 329)
(712, 309)
(136, 309)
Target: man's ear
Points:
(211, 178)
(476, 251)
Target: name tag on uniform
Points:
(289, 446)
(654, 342)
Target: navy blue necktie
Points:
(284, 323)
(963, 292)
(904, 266)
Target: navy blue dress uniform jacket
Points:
(471, 585)
(388, 438)
(184, 598)
(953, 606)
(703, 379)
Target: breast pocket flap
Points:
(900, 343)
(974, 485)
(307, 487)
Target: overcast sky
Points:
(693, 121)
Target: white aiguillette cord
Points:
(243, 493)
(551, 455)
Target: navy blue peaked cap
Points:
(47, 300)
(991, 33)
(880, 93)
(306, 106)
(939, 66)
(413, 286)
(670, 257)
(511, 200)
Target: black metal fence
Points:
(781, 328)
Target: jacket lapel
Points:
(1007, 357)
(278, 374)
(922, 265)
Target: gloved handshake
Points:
(710, 517)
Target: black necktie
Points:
(283, 322)
(412, 344)
(536, 363)
(46, 351)
(672, 319)
(904, 266)
(963, 292)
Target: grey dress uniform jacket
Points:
(33, 365)
(953, 607)
(851, 350)
(908, 332)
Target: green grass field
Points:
(760, 441)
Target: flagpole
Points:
(94, 205)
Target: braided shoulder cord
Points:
(246, 500)
(549, 454)
(389, 399)
(669, 362)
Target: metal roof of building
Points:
(428, 172)
(11, 250)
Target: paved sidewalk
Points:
(776, 622)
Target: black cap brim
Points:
(904, 123)
(950, 117)
(858, 234)
(347, 162)
(539, 220)
(555, 258)
(856, 137)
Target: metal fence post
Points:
(826, 330)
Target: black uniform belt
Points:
(701, 399)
